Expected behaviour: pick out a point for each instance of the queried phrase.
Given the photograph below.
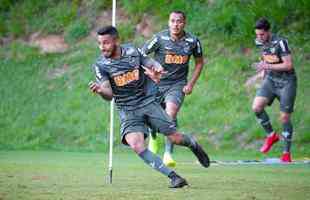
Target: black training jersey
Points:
(273, 51)
(174, 56)
(131, 87)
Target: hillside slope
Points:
(45, 102)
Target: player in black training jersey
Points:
(126, 75)
(279, 82)
(173, 48)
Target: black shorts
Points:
(283, 89)
(150, 116)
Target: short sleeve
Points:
(197, 49)
(100, 74)
(151, 45)
(283, 48)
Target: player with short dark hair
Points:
(262, 24)
(279, 82)
(129, 77)
(173, 48)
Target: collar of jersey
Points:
(110, 60)
(182, 38)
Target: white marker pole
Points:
(112, 110)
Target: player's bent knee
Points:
(172, 109)
(257, 109)
(259, 104)
(285, 117)
(136, 142)
(175, 138)
(137, 147)
(171, 138)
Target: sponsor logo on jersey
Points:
(271, 58)
(175, 59)
(126, 78)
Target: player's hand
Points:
(94, 87)
(154, 73)
(261, 66)
(187, 89)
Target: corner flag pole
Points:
(112, 108)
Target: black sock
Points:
(173, 175)
(187, 141)
(287, 136)
(155, 162)
(153, 134)
(263, 119)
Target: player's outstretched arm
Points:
(103, 89)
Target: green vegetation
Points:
(45, 102)
(20, 18)
(44, 175)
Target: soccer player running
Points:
(172, 49)
(129, 77)
(279, 82)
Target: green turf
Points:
(70, 175)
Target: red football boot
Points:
(269, 141)
(286, 157)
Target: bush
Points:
(76, 31)
(58, 17)
(126, 31)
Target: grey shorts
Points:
(172, 93)
(282, 89)
(140, 120)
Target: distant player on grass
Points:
(279, 82)
(172, 49)
(129, 77)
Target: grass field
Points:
(72, 175)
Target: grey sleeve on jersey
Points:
(150, 46)
(147, 61)
(283, 47)
(150, 62)
(100, 75)
(197, 49)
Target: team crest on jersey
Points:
(186, 48)
(272, 50)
